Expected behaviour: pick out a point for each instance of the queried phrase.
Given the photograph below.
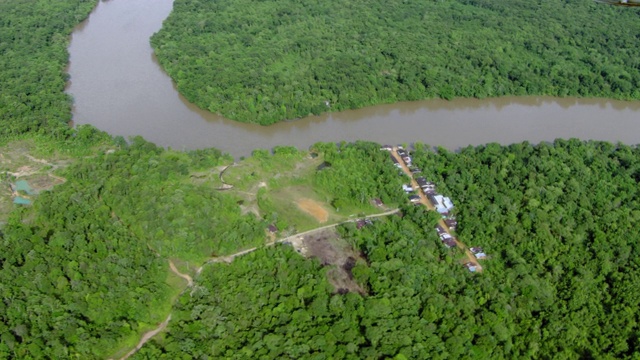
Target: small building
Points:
(428, 186)
(471, 267)
(386, 147)
(429, 191)
(476, 250)
(23, 186)
(396, 162)
(450, 243)
(440, 230)
(19, 200)
(272, 228)
(442, 204)
(415, 170)
(414, 198)
(407, 188)
(452, 223)
(432, 199)
(377, 202)
(481, 255)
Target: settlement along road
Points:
(425, 201)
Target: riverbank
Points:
(118, 86)
(323, 57)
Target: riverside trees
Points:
(270, 60)
(33, 40)
(79, 270)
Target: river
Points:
(118, 86)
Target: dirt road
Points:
(425, 201)
(229, 258)
(184, 276)
(147, 336)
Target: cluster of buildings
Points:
(442, 204)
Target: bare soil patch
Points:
(338, 255)
(314, 209)
(44, 182)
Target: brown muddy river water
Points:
(119, 87)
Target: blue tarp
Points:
(23, 185)
(21, 201)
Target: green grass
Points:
(274, 184)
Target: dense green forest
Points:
(74, 281)
(357, 173)
(559, 221)
(84, 270)
(264, 61)
(33, 46)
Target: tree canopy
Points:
(264, 61)
(33, 39)
(558, 221)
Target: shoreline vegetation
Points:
(87, 268)
(263, 62)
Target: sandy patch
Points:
(314, 209)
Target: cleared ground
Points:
(314, 209)
(18, 162)
(280, 189)
(335, 253)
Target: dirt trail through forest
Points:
(150, 334)
(184, 276)
(147, 336)
(425, 201)
(228, 259)
(28, 170)
(225, 186)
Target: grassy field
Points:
(279, 188)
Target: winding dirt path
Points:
(147, 336)
(225, 186)
(228, 259)
(150, 334)
(173, 268)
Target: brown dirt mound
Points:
(314, 209)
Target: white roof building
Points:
(443, 204)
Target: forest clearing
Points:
(334, 252)
(18, 164)
(281, 187)
(314, 209)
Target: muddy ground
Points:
(335, 253)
